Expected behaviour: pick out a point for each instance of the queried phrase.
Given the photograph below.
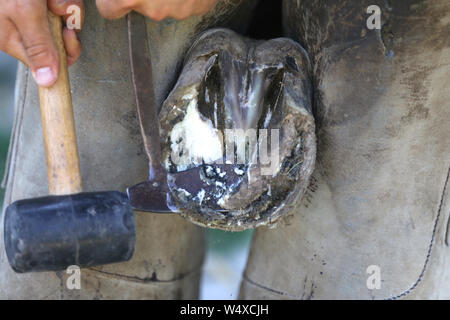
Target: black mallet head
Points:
(54, 232)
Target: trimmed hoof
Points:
(243, 107)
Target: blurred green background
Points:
(226, 251)
(8, 68)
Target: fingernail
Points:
(61, 2)
(44, 76)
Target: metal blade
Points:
(151, 195)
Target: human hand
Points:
(25, 35)
(155, 9)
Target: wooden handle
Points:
(63, 163)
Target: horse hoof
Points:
(246, 105)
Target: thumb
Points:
(32, 24)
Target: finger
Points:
(180, 11)
(72, 45)
(156, 11)
(11, 41)
(114, 9)
(73, 12)
(193, 8)
(32, 23)
(159, 10)
(207, 6)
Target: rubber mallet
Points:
(68, 227)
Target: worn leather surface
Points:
(380, 193)
(169, 250)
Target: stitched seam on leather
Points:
(146, 280)
(281, 293)
(430, 248)
(447, 231)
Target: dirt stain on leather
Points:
(416, 83)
